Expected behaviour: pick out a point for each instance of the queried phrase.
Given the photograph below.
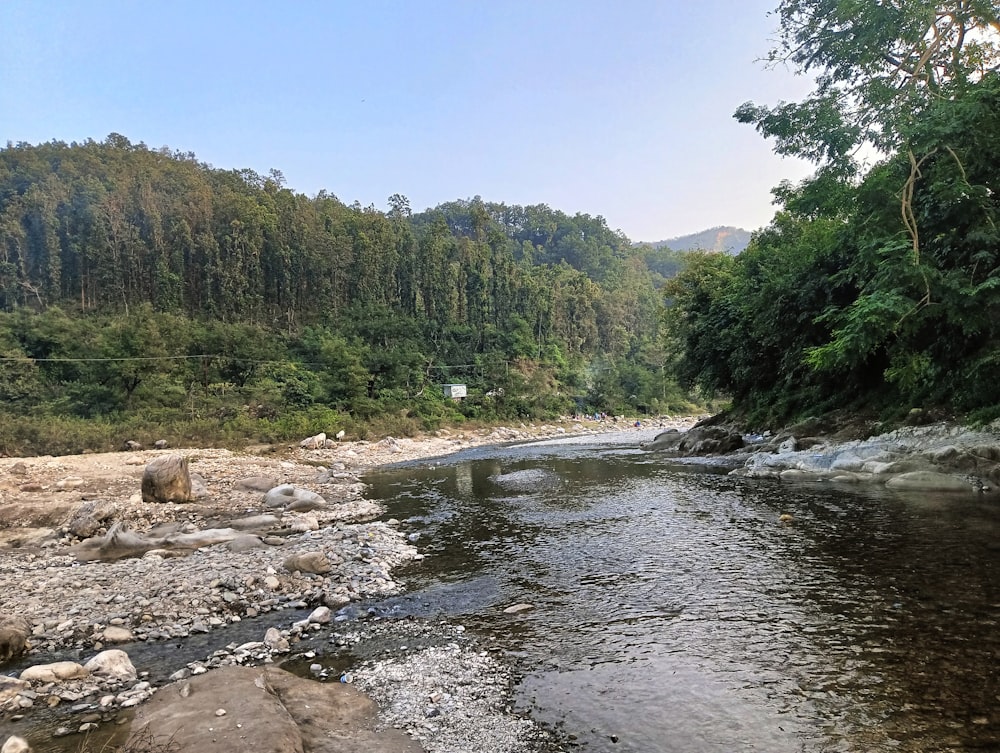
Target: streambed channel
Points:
(673, 609)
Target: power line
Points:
(105, 359)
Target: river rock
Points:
(245, 543)
(119, 543)
(14, 632)
(255, 523)
(114, 664)
(320, 616)
(90, 517)
(10, 687)
(166, 479)
(528, 480)
(59, 671)
(256, 484)
(698, 440)
(293, 498)
(308, 562)
(15, 744)
(303, 523)
(929, 481)
(116, 634)
(268, 710)
(199, 487)
(275, 641)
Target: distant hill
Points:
(727, 239)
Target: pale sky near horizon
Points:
(620, 109)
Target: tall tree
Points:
(878, 65)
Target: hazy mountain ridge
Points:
(723, 239)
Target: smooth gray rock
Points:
(929, 481)
(291, 497)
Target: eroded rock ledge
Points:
(935, 458)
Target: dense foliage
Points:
(875, 288)
(140, 282)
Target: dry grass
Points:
(142, 741)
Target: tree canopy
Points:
(229, 282)
(876, 286)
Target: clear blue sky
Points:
(621, 109)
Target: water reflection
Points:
(675, 611)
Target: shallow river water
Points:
(673, 610)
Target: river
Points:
(674, 609)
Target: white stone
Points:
(55, 672)
(15, 744)
(117, 634)
(113, 663)
(320, 616)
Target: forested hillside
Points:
(142, 283)
(877, 287)
(724, 240)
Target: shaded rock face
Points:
(698, 440)
(266, 710)
(14, 632)
(166, 479)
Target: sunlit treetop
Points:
(877, 65)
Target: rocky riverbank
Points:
(936, 458)
(266, 530)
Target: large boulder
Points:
(14, 632)
(166, 479)
(267, 710)
(58, 671)
(293, 499)
(113, 664)
(698, 440)
(930, 481)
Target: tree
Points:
(879, 65)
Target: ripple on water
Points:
(675, 609)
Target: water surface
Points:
(674, 611)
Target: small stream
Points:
(673, 611)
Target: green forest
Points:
(145, 294)
(877, 286)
